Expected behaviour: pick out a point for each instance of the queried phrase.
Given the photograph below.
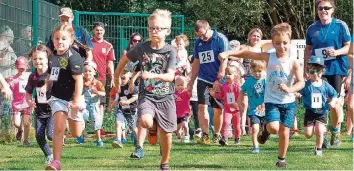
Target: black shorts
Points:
(311, 118)
(204, 96)
(335, 81)
(182, 119)
(256, 119)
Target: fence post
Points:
(35, 22)
(182, 27)
(76, 18)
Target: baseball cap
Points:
(22, 62)
(316, 60)
(91, 64)
(66, 12)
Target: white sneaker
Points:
(179, 140)
(49, 159)
(318, 153)
(186, 139)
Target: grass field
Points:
(184, 156)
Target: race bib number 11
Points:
(206, 57)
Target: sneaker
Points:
(237, 141)
(19, 135)
(198, 133)
(204, 139)
(255, 150)
(335, 139)
(179, 140)
(223, 141)
(164, 166)
(26, 143)
(152, 134)
(281, 164)
(99, 143)
(325, 141)
(216, 138)
(54, 165)
(49, 159)
(138, 153)
(117, 144)
(80, 140)
(263, 137)
(124, 140)
(318, 152)
(186, 139)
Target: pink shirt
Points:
(19, 98)
(102, 53)
(182, 103)
(229, 93)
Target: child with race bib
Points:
(279, 97)
(229, 92)
(182, 98)
(38, 85)
(67, 103)
(254, 88)
(20, 107)
(318, 95)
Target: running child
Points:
(229, 92)
(37, 86)
(182, 98)
(254, 88)
(19, 105)
(157, 108)
(183, 66)
(318, 95)
(66, 69)
(279, 95)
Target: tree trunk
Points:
(273, 12)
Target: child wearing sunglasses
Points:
(318, 96)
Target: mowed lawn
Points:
(190, 156)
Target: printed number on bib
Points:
(41, 95)
(54, 74)
(230, 98)
(316, 100)
(21, 86)
(322, 52)
(206, 57)
(125, 99)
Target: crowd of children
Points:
(63, 88)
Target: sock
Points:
(281, 159)
(319, 149)
(256, 147)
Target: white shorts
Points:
(57, 104)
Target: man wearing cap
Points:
(103, 56)
(318, 97)
(66, 17)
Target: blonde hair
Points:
(252, 31)
(163, 14)
(258, 64)
(281, 29)
(181, 79)
(63, 27)
(184, 38)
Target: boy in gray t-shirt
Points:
(156, 104)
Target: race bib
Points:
(230, 98)
(126, 106)
(21, 86)
(54, 74)
(316, 100)
(206, 57)
(322, 52)
(41, 95)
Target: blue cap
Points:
(316, 60)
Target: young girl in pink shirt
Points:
(182, 98)
(229, 92)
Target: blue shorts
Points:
(284, 113)
(256, 119)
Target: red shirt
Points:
(102, 53)
(182, 103)
(229, 93)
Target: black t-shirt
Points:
(124, 92)
(34, 80)
(70, 63)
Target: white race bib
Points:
(41, 95)
(22, 85)
(206, 57)
(126, 106)
(230, 98)
(54, 74)
(316, 100)
(322, 52)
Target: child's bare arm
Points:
(245, 54)
(166, 77)
(79, 84)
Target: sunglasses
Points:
(136, 41)
(313, 71)
(324, 8)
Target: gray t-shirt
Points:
(155, 61)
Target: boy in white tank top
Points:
(279, 95)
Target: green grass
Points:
(184, 156)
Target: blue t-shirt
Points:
(208, 53)
(332, 35)
(255, 92)
(325, 92)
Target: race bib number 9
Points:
(316, 100)
(206, 57)
(322, 52)
(54, 74)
